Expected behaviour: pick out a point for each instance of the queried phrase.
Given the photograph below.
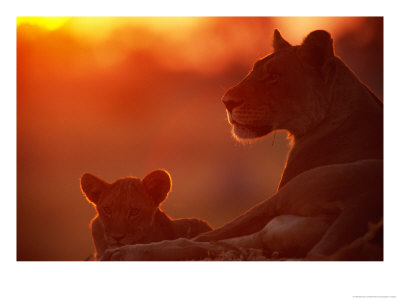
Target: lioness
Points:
(128, 212)
(331, 190)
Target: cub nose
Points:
(230, 102)
(117, 236)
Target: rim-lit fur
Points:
(128, 211)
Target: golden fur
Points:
(367, 247)
(332, 185)
(336, 123)
(319, 215)
(128, 212)
(307, 91)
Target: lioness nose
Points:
(230, 102)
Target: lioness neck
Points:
(351, 130)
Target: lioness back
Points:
(128, 212)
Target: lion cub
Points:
(128, 212)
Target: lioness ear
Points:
(279, 43)
(92, 187)
(158, 184)
(317, 48)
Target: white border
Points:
(198, 280)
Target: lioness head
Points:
(127, 206)
(284, 90)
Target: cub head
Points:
(127, 207)
(284, 90)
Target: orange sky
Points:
(187, 38)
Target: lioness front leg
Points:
(250, 222)
(341, 234)
(317, 192)
(288, 235)
(168, 250)
(292, 199)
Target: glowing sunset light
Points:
(100, 28)
(115, 37)
(183, 43)
(49, 23)
(294, 29)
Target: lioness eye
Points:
(107, 210)
(133, 212)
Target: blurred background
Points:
(124, 96)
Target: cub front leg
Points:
(97, 229)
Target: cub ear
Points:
(92, 187)
(158, 184)
(317, 48)
(279, 43)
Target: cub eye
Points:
(133, 212)
(272, 78)
(107, 210)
